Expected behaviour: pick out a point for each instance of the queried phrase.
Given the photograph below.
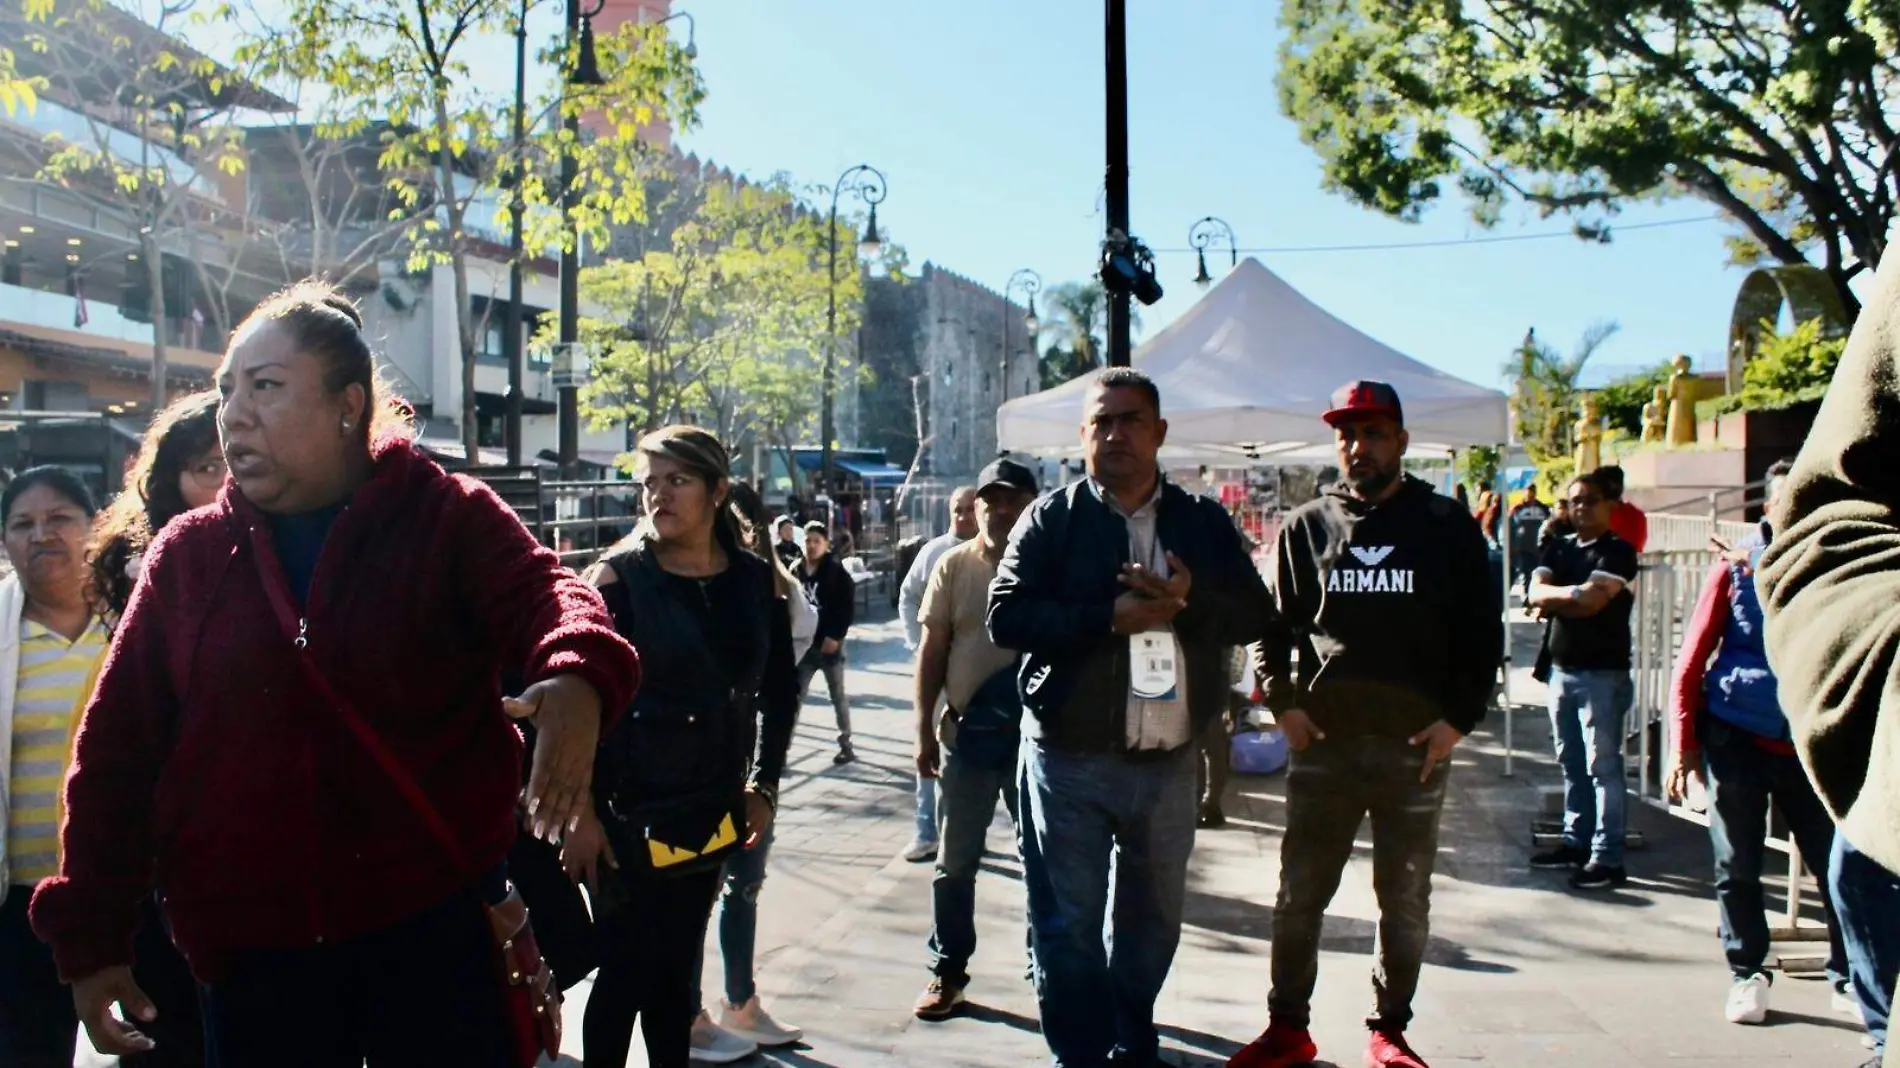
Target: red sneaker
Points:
(1388, 1049)
(1279, 1046)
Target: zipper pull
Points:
(303, 634)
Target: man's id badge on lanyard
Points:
(1151, 665)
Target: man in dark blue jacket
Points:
(1124, 593)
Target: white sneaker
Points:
(919, 851)
(1748, 1000)
(751, 1021)
(713, 1044)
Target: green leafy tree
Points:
(398, 71)
(1780, 115)
(18, 92)
(1788, 369)
(1078, 314)
(1478, 467)
(1545, 392)
(1621, 401)
(152, 149)
(726, 318)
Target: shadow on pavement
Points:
(987, 1014)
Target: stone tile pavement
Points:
(1521, 971)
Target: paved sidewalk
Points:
(1521, 972)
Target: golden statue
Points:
(1682, 398)
(1654, 415)
(1587, 435)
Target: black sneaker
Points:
(1595, 876)
(845, 756)
(1562, 858)
(1212, 816)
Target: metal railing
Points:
(581, 518)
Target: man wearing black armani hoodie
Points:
(1388, 590)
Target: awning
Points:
(871, 471)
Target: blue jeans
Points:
(926, 810)
(1743, 778)
(1588, 710)
(739, 886)
(1867, 901)
(969, 805)
(1079, 811)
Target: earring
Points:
(346, 424)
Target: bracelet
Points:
(770, 794)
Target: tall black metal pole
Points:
(512, 343)
(1119, 341)
(831, 344)
(570, 424)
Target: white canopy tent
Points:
(1245, 375)
(1247, 372)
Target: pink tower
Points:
(613, 15)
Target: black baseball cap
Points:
(1006, 473)
(1364, 399)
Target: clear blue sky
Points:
(987, 117)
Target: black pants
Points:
(38, 1025)
(651, 939)
(1213, 757)
(424, 991)
(1331, 788)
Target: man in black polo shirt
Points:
(1582, 586)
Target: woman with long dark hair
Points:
(677, 789)
(179, 467)
(743, 1023)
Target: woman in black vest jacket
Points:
(676, 787)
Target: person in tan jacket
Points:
(1830, 588)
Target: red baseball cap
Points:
(1364, 399)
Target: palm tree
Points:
(1078, 313)
(1544, 390)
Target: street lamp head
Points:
(1201, 277)
(871, 244)
(692, 50)
(1030, 322)
(587, 64)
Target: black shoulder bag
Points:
(668, 810)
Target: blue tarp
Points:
(872, 471)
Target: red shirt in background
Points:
(1629, 523)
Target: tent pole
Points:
(1504, 541)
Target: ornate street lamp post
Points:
(867, 183)
(1204, 233)
(1030, 283)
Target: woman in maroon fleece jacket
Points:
(339, 568)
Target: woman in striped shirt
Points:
(50, 644)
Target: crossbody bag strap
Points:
(296, 628)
